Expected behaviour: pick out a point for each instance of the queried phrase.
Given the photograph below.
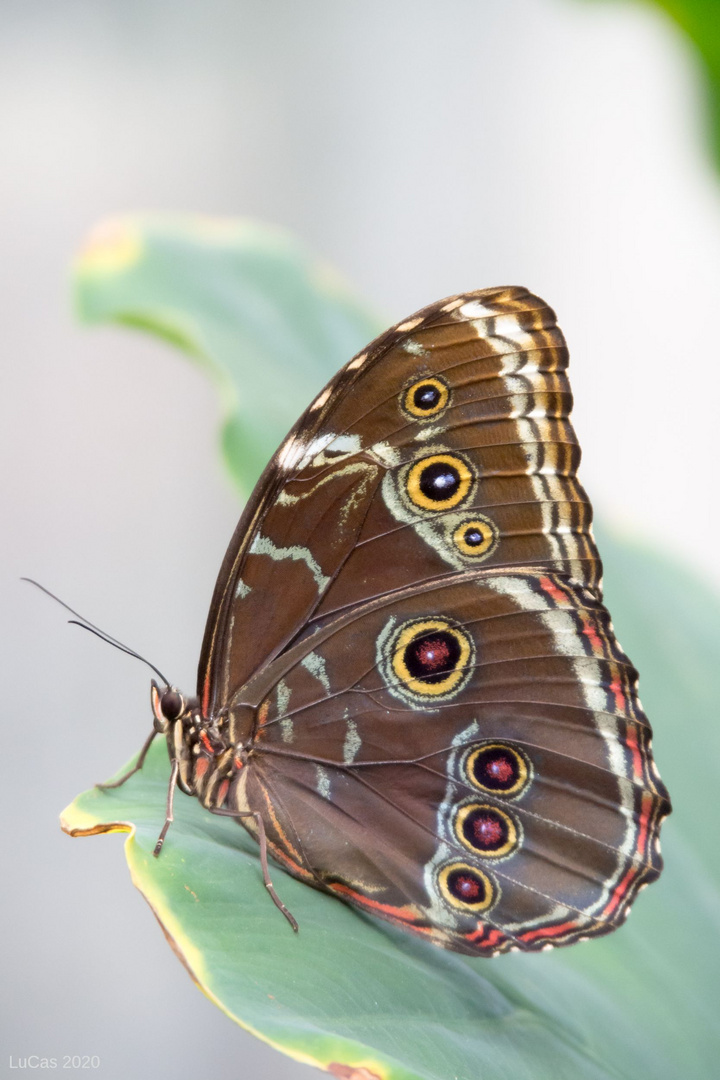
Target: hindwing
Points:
(469, 758)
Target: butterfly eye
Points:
(426, 398)
(475, 537)
(439, 482)
(486, 830)
(465, 887)
(498, 768)
(172, 704)
(432, 657)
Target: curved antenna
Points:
(81, 621)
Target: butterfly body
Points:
(409, 684)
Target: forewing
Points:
(445, 446)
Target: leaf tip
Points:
(78, 822)
(113, 245)
(352, 1072)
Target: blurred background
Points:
(422, 147)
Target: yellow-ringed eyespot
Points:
(475, 537)
(498, 768)
(467, 888)
(439, 482)
(485, 829)
(432, 657)
(426, 397)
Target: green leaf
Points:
(699, 21)
(349, 993)
(270, 322)
(353, 991)
(345, 990)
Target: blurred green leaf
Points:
(699, 21)
(351, 993)
(270, 322)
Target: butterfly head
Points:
(192, 742)
(169, 707)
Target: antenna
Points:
(85, 624)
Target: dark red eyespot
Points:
(171, 704)
(485, 830)
(498, 768)
(431, 657)
(466, 887)
(489, 830)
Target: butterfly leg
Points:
(136, 767)
(262, 840)
(266, 873)
(168, 807)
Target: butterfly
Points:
(409, 690)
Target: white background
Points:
(424, 148)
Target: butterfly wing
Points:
(468, 758)
(446, 445)
(407, 631)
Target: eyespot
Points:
(486, 830)
(465, 887)
(426, 397)
(475, 537)
(432, 657)
(439, 482)
(498, 768)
